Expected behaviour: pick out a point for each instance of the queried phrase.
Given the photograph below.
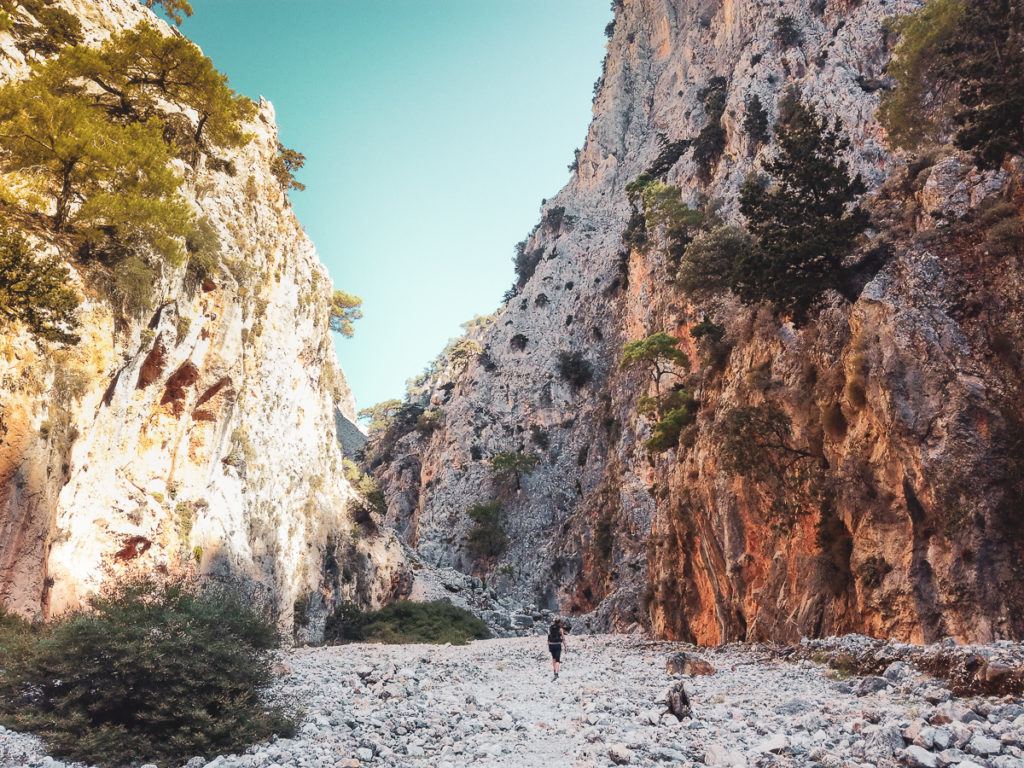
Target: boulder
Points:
(688, 664)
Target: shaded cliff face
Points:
(200, 437)
(903, 520)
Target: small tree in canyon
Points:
(658, 355)
(506, 467)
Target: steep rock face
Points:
(905, 519)
(201, 436)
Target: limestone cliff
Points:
(200, 436)
(906, 393)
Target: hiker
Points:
(556, 641)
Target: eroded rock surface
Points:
(906, 393)
(201, 436)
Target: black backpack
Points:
(555, 633)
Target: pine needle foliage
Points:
(345, 310)
(175, 9)
(660, 213)
(150, 674)
(960, 61)
(512, 466)
(710, 142)
(755, 123)
(379, 417)
(105, 177)
(804, 223)
(285, 165)
(129, 74)
(658, 355)
(33, 290)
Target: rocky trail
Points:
(494, 703)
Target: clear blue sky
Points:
(432, 130)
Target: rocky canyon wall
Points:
(198, 437)
(903, 396)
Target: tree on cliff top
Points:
(173, 8)
(380, 416)
(132, 71)
(345, 309)
(33, 290)
(803, 223)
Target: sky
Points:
(432, 130)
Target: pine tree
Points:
(380, 416)
(345, 310)
(658, 354)
(130, 73)
(34, 290)
(284, 166)
(756, 121)
(106, 178)
(803, 223)
(174, 9)
(960, 63)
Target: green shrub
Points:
(132, 286)
(428, 422)
(670, 153)
(710, 142)
(1006, 237)
(757, 442)
(203, 247)
(959, 62)
(787, 33)
(709, 261)
(756, 121)
(150, 674)
(437, 622)
(34, 290)
(634, 236)
(574, 368)
(679, 413)
(508, 466)
(526, 262)
(487, 537)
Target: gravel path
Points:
(493, 704)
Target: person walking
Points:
(556, 642)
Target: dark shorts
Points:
(556, 651)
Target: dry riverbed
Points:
(494, 703)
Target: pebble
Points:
(493, 704)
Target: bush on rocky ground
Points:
(436, 622)
(151, 673)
